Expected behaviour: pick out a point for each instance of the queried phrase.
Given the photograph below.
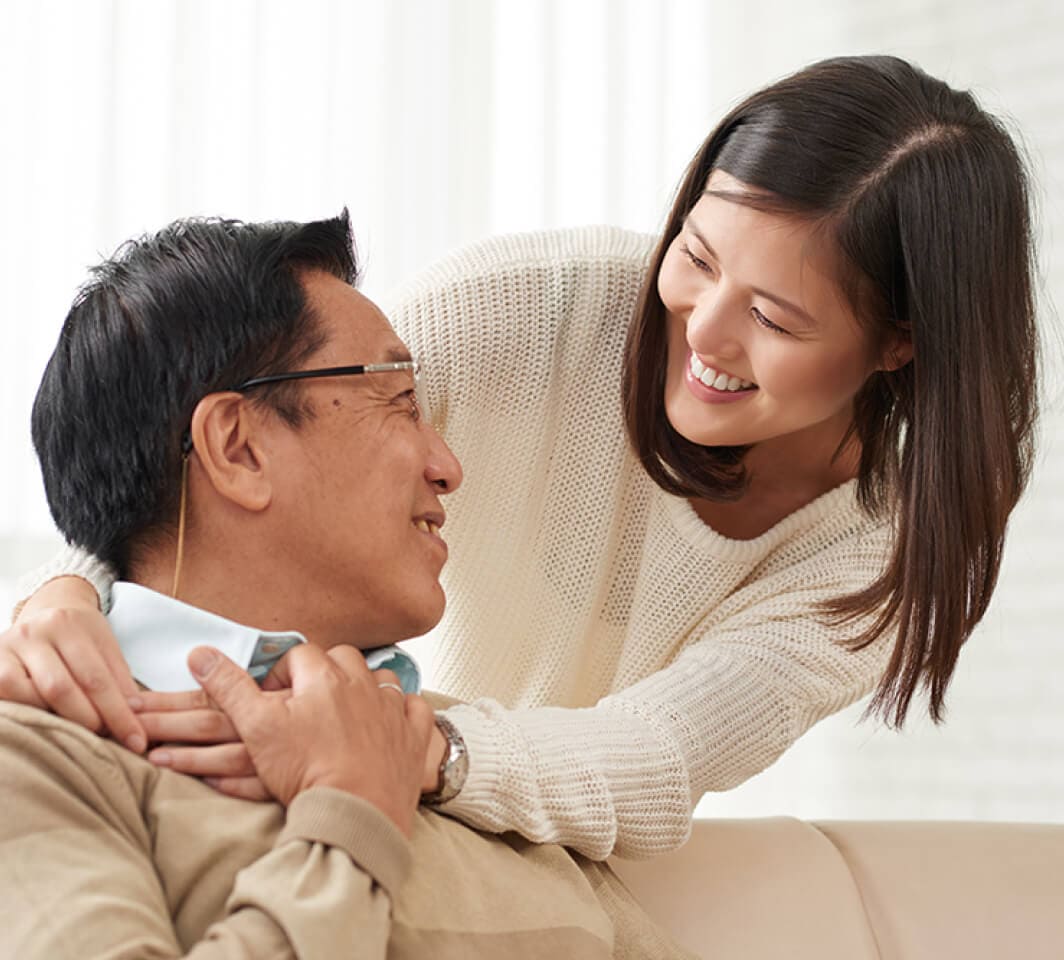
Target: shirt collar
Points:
(156, 633)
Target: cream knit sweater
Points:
(620, 658)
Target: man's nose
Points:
(442, 468)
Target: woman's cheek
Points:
(671, 281)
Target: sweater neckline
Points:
(839, 504)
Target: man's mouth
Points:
(718, 379)
(427, 526)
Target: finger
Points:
(158, 701)
(15, 683)
(388, 683)
(421, 716)
(186, 701)
(94, 677)
(117, 666)
(386, 676)
(52, 678)
(393, 690)
(189, 726)
(226, 760)
(243, 788)
(307, 665)
(353, 663)
(228, 686)
(280, 675)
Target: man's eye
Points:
(415, 406)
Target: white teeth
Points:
(719, 381)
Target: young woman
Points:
(718, 485)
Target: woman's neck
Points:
(781, 481)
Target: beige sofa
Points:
(853, 890)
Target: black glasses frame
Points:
(351, 371)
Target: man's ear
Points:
(226, 436)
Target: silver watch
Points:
(453, 768)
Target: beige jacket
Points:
(105, 855)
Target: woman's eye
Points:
(695, 261)
(415, 406)
(765, 322)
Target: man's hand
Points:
(61, 655)
(337, 729)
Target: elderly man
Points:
(235, 428)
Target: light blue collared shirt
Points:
(156, 633)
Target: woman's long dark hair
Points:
(926, 195)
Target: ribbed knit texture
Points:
(634, 658)
(69, 560)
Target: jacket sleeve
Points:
(79, 878)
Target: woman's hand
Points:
(198, 739)
(61, 655)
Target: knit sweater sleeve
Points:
(571, 741)
(623, 775)
(71, 561)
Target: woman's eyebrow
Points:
(786, 304)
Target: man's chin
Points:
(431, 618)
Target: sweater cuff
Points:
(71, 561)
(487, 763)
(340, 819)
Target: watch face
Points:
(455, 766)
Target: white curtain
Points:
(441, 121)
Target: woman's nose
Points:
(711, 329)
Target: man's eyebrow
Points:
(689, 224)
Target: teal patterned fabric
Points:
(400, 663)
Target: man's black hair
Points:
(197, 307)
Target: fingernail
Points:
(202, 661)
(135, 703)
(161, 758)
(136, 742)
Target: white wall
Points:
(441, 121)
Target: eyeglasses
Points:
(352, 371)
(359, 368)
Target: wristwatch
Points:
(453, 767)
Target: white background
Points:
(442, 121)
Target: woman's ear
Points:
(225, 436)
(897, 352)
